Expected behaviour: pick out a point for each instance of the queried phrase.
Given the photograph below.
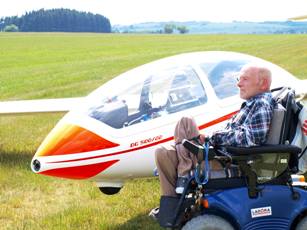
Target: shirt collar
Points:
(258, 96)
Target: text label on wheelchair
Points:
(259, 212)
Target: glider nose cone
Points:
(71, 139)
(67, 139)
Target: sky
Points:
(127, 12)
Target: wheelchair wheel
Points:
(208, 222)
(302, 225)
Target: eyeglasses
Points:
(237, 76)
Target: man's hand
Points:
(202, 138)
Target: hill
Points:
(204, 27)
(57, 20)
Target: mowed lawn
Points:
(50, 65)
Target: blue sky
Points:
(135, 11)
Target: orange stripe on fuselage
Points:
(70, 139)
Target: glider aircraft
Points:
(111, 135)
(299, 18)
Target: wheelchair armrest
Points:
(198, 150)
(264, 149)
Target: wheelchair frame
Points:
(243, 201)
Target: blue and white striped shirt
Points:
(250, 126)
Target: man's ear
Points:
(264, 84)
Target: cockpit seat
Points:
(114, 113)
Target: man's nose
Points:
(238, 78)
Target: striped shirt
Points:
(250, 126)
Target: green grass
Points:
(45, 65)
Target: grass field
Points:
(45, 65)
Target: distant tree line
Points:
(169, 29)
(56, 20)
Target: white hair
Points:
(263, 73)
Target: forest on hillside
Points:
(56, 20)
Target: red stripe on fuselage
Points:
(79, 172)
(218, 120)
(117, 153)
(206, 125)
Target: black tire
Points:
(302, 225)
(208, 222)
(109, 190)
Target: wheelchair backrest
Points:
(275, 133)
(285, 117)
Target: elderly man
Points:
(249, 127)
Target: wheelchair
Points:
(260, 190)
